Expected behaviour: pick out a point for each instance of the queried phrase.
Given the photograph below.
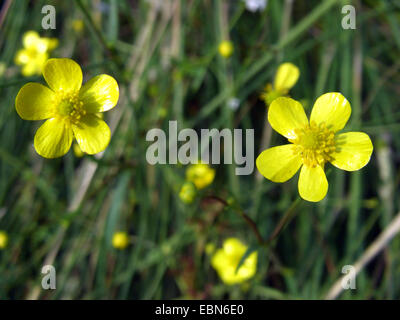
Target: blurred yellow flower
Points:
(69, 107)
(187, 192)
(77, 150)
(78, 25)
(200, 174)
(226, 260)
(3, 239)
(35, 53)
(313, 143)
(120, 240)
(285, 78)
(3, 68)
(225, 49)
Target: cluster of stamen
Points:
(69, 106)
(315, 143)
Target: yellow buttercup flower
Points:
(200, 174)
(225, 49)
(3, 239)
(35, 53)
(69, 107)
(313, 143)
(120, 240)
(78, 25)
(285, 78)
(226, 260)
(187, 192)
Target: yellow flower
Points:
(200, 174)
(69, 107)
(313, 143)
(225, 49)
(187, 192)
(3, 239)
(120, 240)
(78, 25)
(77, 150)
(226, 260)
(35, 53)
(285, 78)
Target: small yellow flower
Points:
(200, 174)
(120, 240)
(225, 49)
(77, 150)
(285, 78)
(78, 25)
(313, 143)
(35, 53)
(3, 68)
(226, 260)
(187, 192)
(3, 239)
(69, 107)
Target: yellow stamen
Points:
(69, 106)
(314, 143)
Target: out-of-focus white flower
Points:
(255, 5)
(233, 103)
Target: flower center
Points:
(314, 143)
(69, 106)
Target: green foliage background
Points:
(65, 211)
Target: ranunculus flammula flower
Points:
(313, 143)
(200, 174)
(285, 78)
(226, 260)
(35, 53)
(69, 107)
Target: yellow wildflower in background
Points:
(313, 143)
(78, 25)
(3, 239)
(226, 260)
(225, 49)
(200, 174)
(187, 192)
(285, 78)
(35, 53)
(69, 107)
(120, 240)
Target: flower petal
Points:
(286, 77)
(278, 164)
(333, 109)
(63, 74)
(285, 115)
(100, 94)
(353, 151)
(35, 102)
(313, 185)
(92, 134)
(53, 139)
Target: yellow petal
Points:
(30, 39)
(99, 94)
(63, 74)
(53, 139)
(278, 164)
(353, 150)
(286, 77)
(21, 57)
(313, 185)
(333, 109)
(92, 134)
(285, 115)
(35, 102)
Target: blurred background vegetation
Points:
(164, 55)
